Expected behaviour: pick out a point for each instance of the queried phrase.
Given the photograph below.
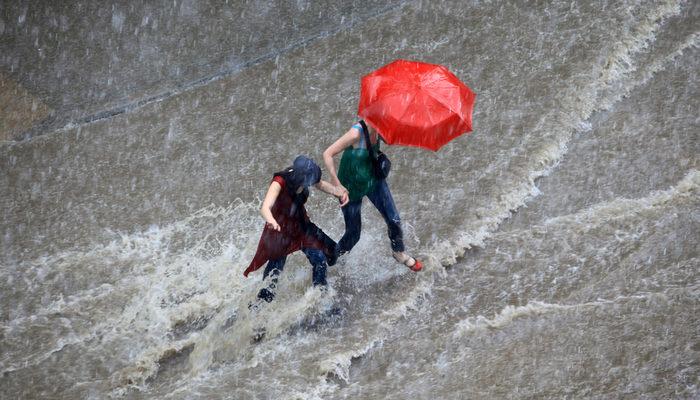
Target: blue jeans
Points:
(382, 200)
(273, 268)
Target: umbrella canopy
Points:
(416, 104)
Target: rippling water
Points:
(560, 237)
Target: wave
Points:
(172, 273)
(533, 309)
(687, 188)
(577, 105)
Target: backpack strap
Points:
(361, 143)
(367, 141)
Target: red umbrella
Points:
(416, 104)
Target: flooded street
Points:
(560, 237)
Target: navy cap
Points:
(306, 171)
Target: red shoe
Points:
(414, 266)
(417, 265)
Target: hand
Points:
(274, 225)
(339, 190)
(344, 198)
(342, 194)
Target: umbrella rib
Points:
(400, 119)
(413, 97)
(445, 105)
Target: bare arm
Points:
(348, 139)
(268, 202)
(336, 191)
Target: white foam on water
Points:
(687, 188)
(635, 76)
(185, 270)
(535, 308)
(216, 344)
(339, 364)
(576, 107)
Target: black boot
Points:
(266, 294)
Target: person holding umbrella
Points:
(288, 227)
(357, 179)
(408, 103)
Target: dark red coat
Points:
(297, 231)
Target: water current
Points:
(560, 237)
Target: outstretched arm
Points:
(337, 191)
(268, 202)
(348, 139)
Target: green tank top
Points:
(355, 171)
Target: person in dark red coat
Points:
(288, 227)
